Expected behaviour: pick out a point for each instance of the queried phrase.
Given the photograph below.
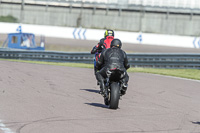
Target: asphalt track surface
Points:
(87, 45)
(75, 45)
(37, 98)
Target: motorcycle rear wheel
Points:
(114, 96)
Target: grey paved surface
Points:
(128, 47)
(85, 45)
(56, 99)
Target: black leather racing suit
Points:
(99, 47)
(103, 44)
(112, 58)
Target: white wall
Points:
(93, 34)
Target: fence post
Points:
(47, 5)
(22, 11)
(22, 5)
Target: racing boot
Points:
(102, 89)
(124, 84)
(124, 88)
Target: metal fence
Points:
(189, 4)
(187, 61)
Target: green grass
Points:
(183, 73)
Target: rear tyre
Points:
(114, 95)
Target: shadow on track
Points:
(91, 90)
(197, 122)
(97, 105)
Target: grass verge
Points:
(183, 73)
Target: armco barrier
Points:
(52, 56)
(191, 61)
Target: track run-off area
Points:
(36, 98)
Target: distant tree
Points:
(8, 18)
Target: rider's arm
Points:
(101, 42)
(100, 61)
(98, 47)
(94, 49)
(126, 64)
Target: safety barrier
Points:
(188, 61)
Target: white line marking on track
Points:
(4, 128)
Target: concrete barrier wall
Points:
(149, 22)
(94, 34)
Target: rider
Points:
(111, 58)
(103, 44)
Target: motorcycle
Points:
(113, 87)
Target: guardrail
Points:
(189, 61)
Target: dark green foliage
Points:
(8, 18)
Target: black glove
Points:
(94, 50)
(127, 67)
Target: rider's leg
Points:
(100, 78)
(95, 69)
(125, 83)
(101, 81)
(97, 56)
(95, 61)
